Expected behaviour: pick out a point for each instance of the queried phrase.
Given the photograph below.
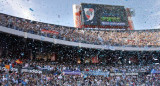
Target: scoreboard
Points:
(87, 15)
(103, 15)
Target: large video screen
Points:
(103, 15)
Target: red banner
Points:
(50, 31)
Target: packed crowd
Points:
(32, 79)
(31, 72)
(145, 38)
(58, 78)
(34, 64)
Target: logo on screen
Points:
(89, 13)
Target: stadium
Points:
(105, 52)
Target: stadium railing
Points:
(135, 38)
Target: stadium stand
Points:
(27, 62)
(136, 38)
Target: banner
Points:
(69, 72)
(11, 69)
(120, 74)
(96, 73)
(31, 71)
(50, 31)
(153, 71)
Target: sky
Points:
(60, 12)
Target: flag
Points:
(86, 69)
(53, 57)
(12, 65)
(19, 61)
(95, 59)
(7, 66)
